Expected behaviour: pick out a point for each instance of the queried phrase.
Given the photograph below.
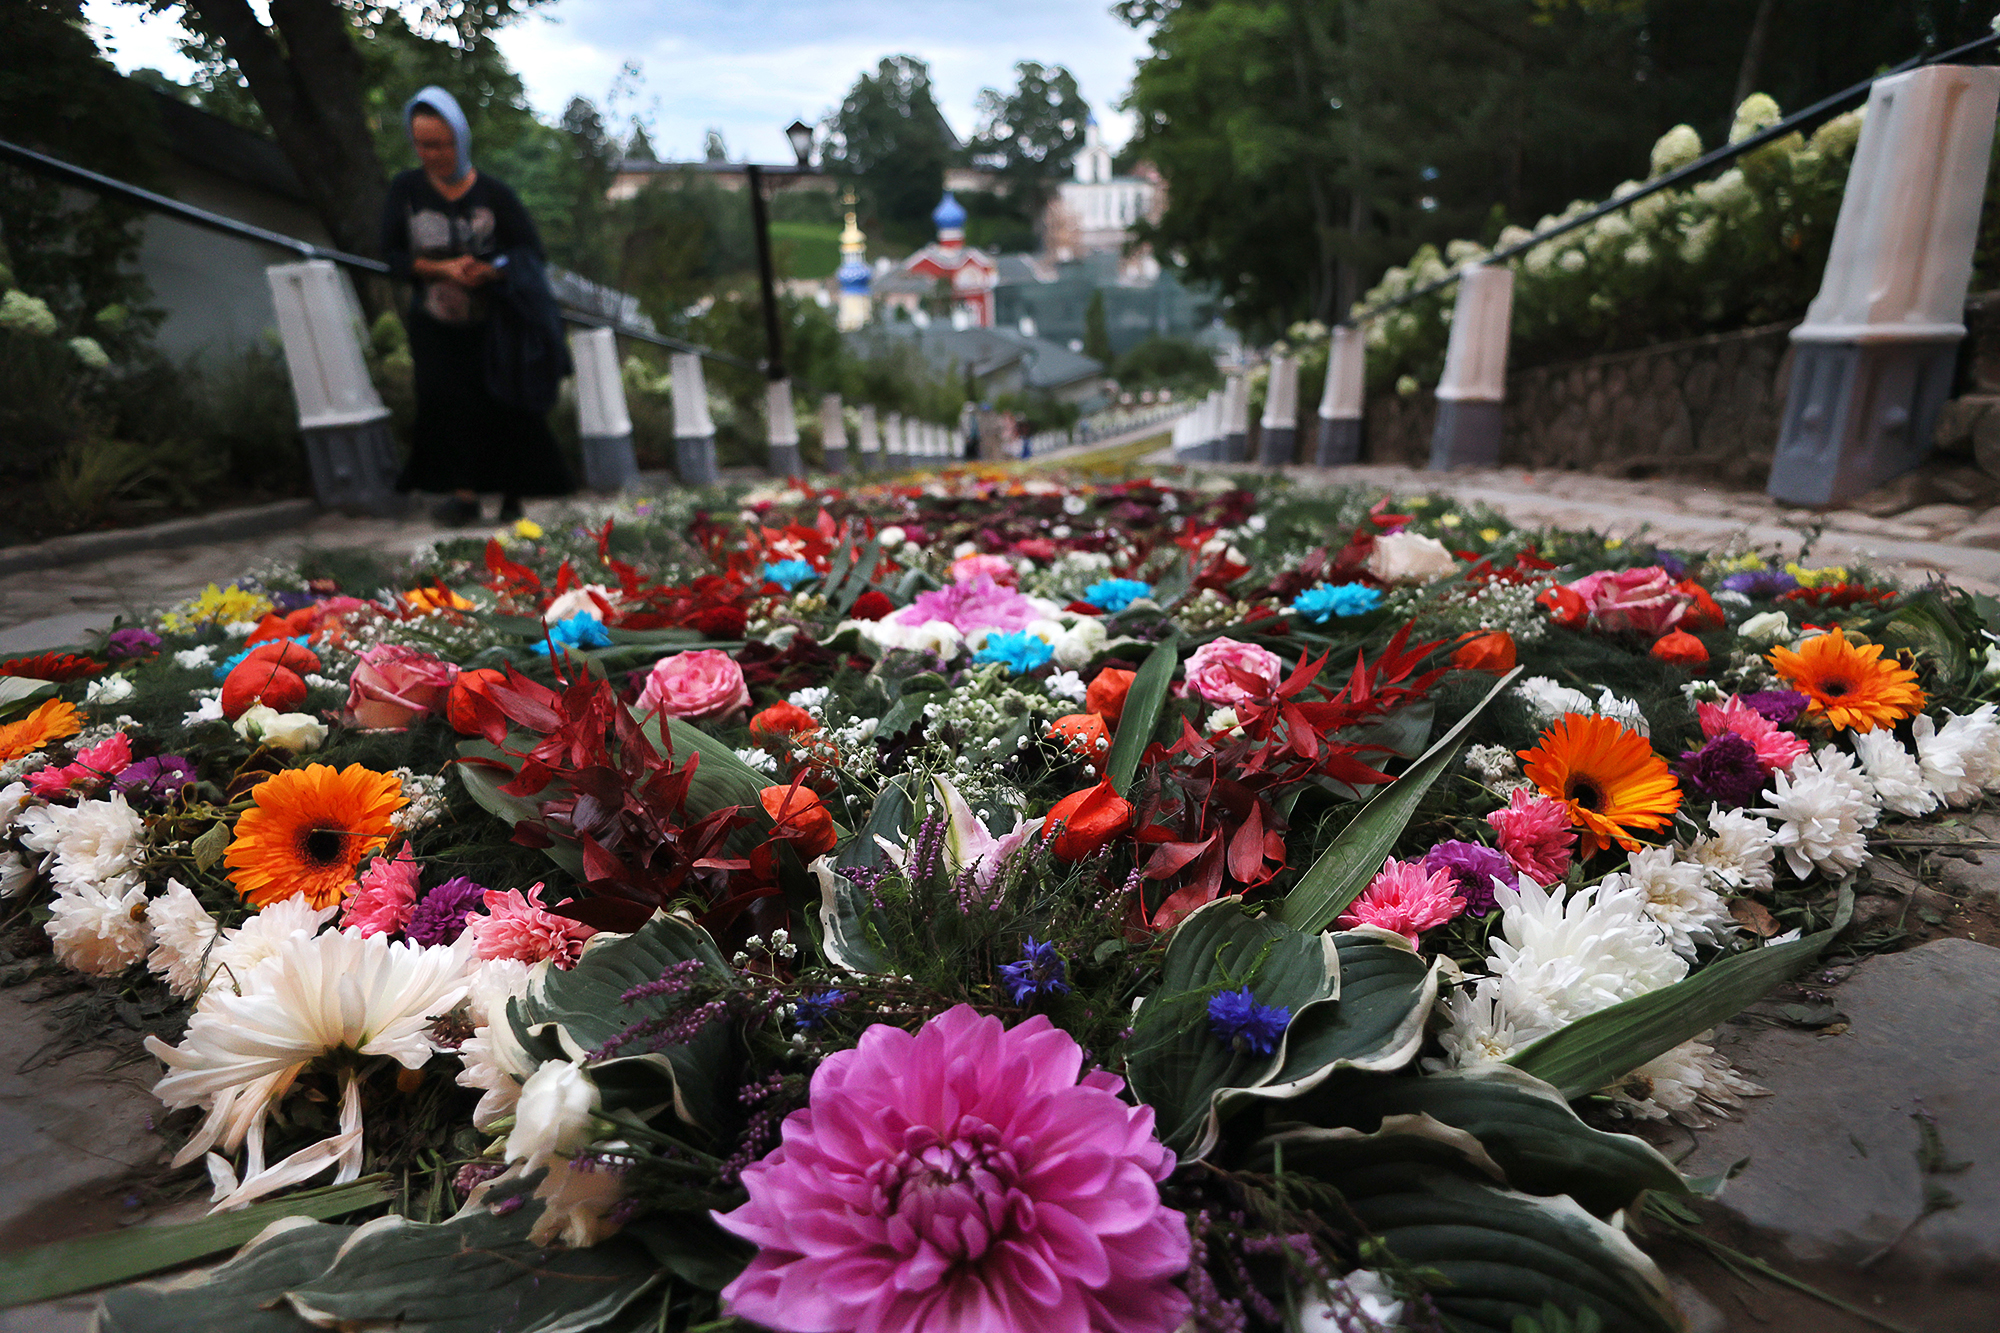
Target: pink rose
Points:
(1645, 600)
(392, 686)
(695, 686)
(996, 567)
(1216, 671)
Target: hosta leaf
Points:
(483, 783)
(18, 691)
(1141, 717)
(890, 818)
(721, 779)
(245, 1295)
(845, 937)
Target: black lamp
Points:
(801, 136)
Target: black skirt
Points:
(465, 439)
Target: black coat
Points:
(527, 357)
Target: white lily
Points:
(967, 840)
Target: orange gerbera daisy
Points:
(1848, 683)
(1609, 778)
(51, 722)
(309, 831)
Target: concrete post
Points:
(781, 424)
(895, 448)
(1340, 405)
(869, 441)
(346, 427)
(1235, 419)
(1475, 371)
(603, 425)
(1278, 436)
(1872, 363)
(1208, 434)
(694, 429)
(833, 433)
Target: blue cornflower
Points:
(1115, 595)
(1322, 603)
(789, 574)
(579, 631)
(816, 1009)
(230, 664)
(1020, 651)
(1234, 1016)
(1040, 972)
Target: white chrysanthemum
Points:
(1477, 1030)
(1737, 851)
(494, 1061)
(100, 929)
(1558, 959)
(1491, 763)
(339, 990)
(1678, 898)
(92, 843)
(1625, 712)
(1691, 1084)
(183, 936)
(1551, 700)
(245, 946)
(15, 875)
(1067, 685)
(1824, 808)
(1894, 773)
(1961, 759)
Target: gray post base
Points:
(1278, 446)
(1857, 415)
(354, 467)
(836, 461)
(1467, 434)
(1235, 448)
(785, 461)
(871, 460)
(694, 460)
(895, 462)
(1339, 441)
(608, 463)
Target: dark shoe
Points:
(510, 509)
(456, 513)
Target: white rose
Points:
(1992, 668)
(1770, 627)
(552, 1118)
(110, 690)
(1406, 557)
(890, 537)
(1077, 645)
(1223, 721)
(300, 733)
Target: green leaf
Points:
(721, 779)
(17, 691)
(858, 578)
(1176, 1065)
(483, 785)
(890, 818)
(210, 846)
(1601, 1048)
(1356, 855)
(906, 712)
(1925, 625)
(845, 935)
(1142, 712)
(48, 1271)
(245, 1295)
(584, 1008)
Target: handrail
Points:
(1715, 157)
(69, 172)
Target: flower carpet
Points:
(972, 902)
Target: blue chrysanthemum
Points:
(1115, 595)
(579, 631)
(1322, 603)
(789, 574)
(1235, 1017)
(1041, 971)
(1020, 651)
(229, 664)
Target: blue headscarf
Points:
(446, 106)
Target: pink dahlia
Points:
(976, 604)
(962, 1178)
(1777, 749)
(1406, 898)
(517, 925)
(385, 898)
(94, 766)
(1536, 834)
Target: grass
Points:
(806, 249)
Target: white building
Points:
(1097, 211)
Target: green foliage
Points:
(1031, 134)
(1096, 337)
(1180, 364)
(889, 136)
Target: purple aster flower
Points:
(1780, 706)
(816, 1009)
(131, 642)
(1041, 971)
(155, 781)
(1760, 582)
(1235, 1017)
(1725, 770)
(1474, 868)
(440, 917)
(1676, 567)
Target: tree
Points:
(1096, 333)
(890, 137)
(1031, 134)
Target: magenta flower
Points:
(386, 896)
(1406, 898)
(1777, 749)
(1536, 835)
(519, 925)
(978, 603)
(962, 1178)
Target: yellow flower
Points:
(1736, 564)
(1489, 534)
(217, 606)
(527, 528)
(1449, 520)
(1613, 543)
(1813, 578)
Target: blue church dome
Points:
(949, 215)
(853, 275)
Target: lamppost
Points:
(783, 426)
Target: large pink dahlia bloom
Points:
(962, 1179)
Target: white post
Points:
(1340, 406)
(603, 424)
(781, 426)
(1235, 419)
(1278, 428)
(1872, 363)
(1475, 371)
(346, 427)
(870, 441)
(895, 452)
(694, 429)
(833, 433)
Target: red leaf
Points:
(1170, 857)
(1246, 849)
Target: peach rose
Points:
(1212, 671)
(1642, 600)
(392, 686)
(695, 686)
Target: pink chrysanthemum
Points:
(93, 767)
(1536, 834)
(1407, 899)
(385, 898)
(1777, 749)
(962, 1178)
(517, 925)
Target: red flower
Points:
(719, 622)
(461, 705)
(1679, 648)
(780, 722)
(1087, 820)
(801, 819)
(1106, 695)
(1704, 614)
(1085, 735)
(255, 681)
(1566, 607)
(57, 667)
(871, 605)
(1492, 651)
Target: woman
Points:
(448, 228)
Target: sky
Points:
(750, 67)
